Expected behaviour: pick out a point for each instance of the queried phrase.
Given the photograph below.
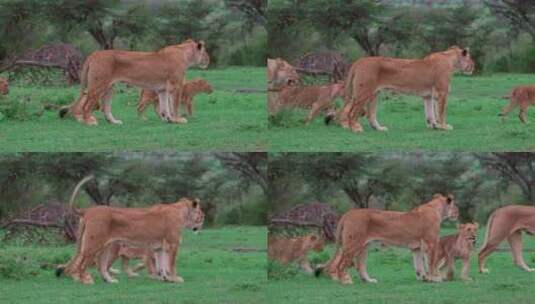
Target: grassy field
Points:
(213, 272)
(472, 110)
(392, 267)
(226, 120)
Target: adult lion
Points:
(157, 228)
(508, 223)
(522, 97)
(428, 78)
(288, 250)
(4, 86)
(418, 228)
(161, 71)
(280, 74)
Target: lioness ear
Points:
(200, 45)
(465, 52)
(195, 203)
(449, 199)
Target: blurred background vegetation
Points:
(234, 30)
(480, 182)
(232, 186)
(500, 33)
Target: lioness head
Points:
(4, 86)
(195, 216)
(465, 63)
(281, 72)
(201, 56)
(314, 242)
(468, 232)
(449, 209)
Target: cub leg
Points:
(466, 268)
(522, 113)
(450, 262)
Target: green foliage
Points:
(20, 109)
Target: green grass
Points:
(473, 106)
(392, 267)
(213, 272)
(223, 121)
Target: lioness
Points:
(161, 71)
(4, 86)
(157, 228)
(418, 228)
(508, 223)
(280, 74)
(288, 250)
(190, 90)
(315, 98)
(521, 96)
(428, 78)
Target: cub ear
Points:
(477, 225)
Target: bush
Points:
(15, 108)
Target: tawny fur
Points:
(4, 86)
(157, 228)
(459, 245)
(418, 228)
(315, 98)
(190, 90)
(428, 78)
(162, 71)
(288, 250)
(280, 74)
(508, 223)
(521, 97)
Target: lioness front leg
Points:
(173, 250)
(418, 261)
(174, 100)
(432, 254)
(163, 106)
(442, 100)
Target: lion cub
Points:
(315, 98)
(190, 90)
(288, 250)
(4, 86)
(458, 245)
(521, 96)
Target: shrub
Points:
(14, 108)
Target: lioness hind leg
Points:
(484, 253)
(362, 255)
(515, 241)
(372, 114)
(106, 107)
